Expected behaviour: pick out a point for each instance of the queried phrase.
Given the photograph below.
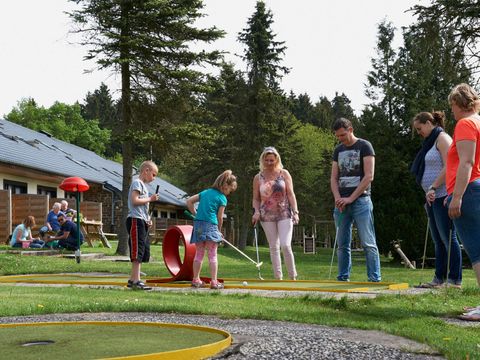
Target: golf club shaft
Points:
(258, 256)
(335, 242)
(425, 246)
(241, 252)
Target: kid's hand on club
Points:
(155, 197)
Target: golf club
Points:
(257, 264)
(335, 243)
(425, 246)
(256, 247)
(153, 206)
(189, 215)
(448, 258)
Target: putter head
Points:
(259, 264)
(78, 254)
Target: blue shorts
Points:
(203, 231)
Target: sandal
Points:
(429, 285)
(473, 315)
(198, 284)
(216, 285)
(470, 308)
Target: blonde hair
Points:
(465, 97)
(148, 164)
(225, 178)
(29, 221)
(267, 151)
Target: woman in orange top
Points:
(463, 176)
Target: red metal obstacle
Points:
(181, 271)
(171, 252)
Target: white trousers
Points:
(279, 236)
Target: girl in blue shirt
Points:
(208, 224)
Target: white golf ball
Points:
(245, 283)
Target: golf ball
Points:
(245, 283)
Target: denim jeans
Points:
(468, 224)
(360, 211)
(440, 227)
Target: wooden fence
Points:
(5, 215)
(14, 208)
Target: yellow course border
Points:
(254, 284)
(197, 352)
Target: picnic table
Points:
(92, 231)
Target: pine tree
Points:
(146, 41)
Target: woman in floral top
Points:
(276, 208)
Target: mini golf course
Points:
(254, 284)
(82, 340)
(110, 340)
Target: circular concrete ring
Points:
(171, 252)
(196, 352)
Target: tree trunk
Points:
(127, 153)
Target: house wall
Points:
(31, 183)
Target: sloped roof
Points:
(36, 150)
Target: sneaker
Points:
(140, 285)
(198, 284)
(216, 285)
(129, 283)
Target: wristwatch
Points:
(431, 187)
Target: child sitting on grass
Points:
(208, 224)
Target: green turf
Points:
(84, 341)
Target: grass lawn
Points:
(418, 317)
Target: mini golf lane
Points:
(110, 340)
(254, 284)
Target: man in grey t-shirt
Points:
(353, 167)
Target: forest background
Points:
(195, 125)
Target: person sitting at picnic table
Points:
(67, 236)
(52, 222)
(22, 235)
(69, 212)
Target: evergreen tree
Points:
(461, 16)
(100, 106)
(146, 41)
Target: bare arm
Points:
(256, 200)
(18, 239)
(466, 154)
(443, 144)
(137, 200)
(221, 210)
(191, 201)
(334, 181)
(292, 199)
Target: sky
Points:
(330, 45)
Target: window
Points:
(45, 190)
(173, 215)
(15, 187)
(163, 214)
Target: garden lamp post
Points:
(76, 185)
